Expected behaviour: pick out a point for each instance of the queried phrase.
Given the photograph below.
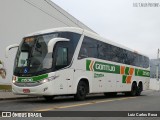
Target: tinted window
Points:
(61, 57)
(88, 48)
(97, 49)
(101, 50)
(22, 59)
(74, 37)
(33, 53)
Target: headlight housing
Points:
(48, 79)
(14, 79)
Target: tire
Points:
(48, 98)
(133, 91)
(81, 91)
(139, 89)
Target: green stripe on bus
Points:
(127, 71)
(88, 62)
(111, 68)
(142, 73)
(124, 78)
(33, 79)
(103, 67)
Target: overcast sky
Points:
(135, 27)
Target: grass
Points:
(6, 87)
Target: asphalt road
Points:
(148, 101)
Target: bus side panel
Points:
(108, 83)
(122, 86)
(63, 82)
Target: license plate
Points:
(26, 91)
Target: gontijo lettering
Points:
(105, 67)
(102, 67)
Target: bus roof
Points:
(60, 29)
(81, 31)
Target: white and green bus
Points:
(73, 61)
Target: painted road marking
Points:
(84, 104)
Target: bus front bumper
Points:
(43, 89)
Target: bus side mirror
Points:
(9, 48)
(53, 41)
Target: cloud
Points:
(135, 27)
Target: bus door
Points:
(63, 72)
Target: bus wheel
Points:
(81, 91)
(48, 98)
(139, 89)
(134, 89)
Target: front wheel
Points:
(81, 91)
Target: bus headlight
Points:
(48, 79)
(14, 79)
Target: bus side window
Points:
(61, 57)
(83, 53)
(88, 48)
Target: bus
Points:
(74, 61)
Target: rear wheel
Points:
(139, 89)
(81, 91)
(133, 91)
(48, 98)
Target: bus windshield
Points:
(33, 57)
(33, 54)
